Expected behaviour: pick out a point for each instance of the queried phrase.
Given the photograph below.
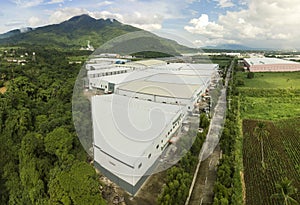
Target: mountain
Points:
(15, 32)
(228, 47)
(77, 31)
(71, 33)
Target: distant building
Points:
(88, 48)
(233, 54)
(270, 65)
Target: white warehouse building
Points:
(128, 142)
(133, 126)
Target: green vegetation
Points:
(150, 54)
(269, 96)
(270, 108)
(77, 31)
(285, 190)
(179, 177)
(271, 80)
(228, 187)
(73, 33)
(281, 160)
(271, 115)
(42, 161)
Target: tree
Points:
(250, 75)
(261, 133)
(59, 142)
(76, 185)
(285, 190)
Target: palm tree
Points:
(285, 190)
(261, 133)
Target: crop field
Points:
(270, 108)
(282, 159)
(271, 80)
(273, 98)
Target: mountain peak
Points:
(83, 17)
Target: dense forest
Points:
(42, 160)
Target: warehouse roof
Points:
(181, 76)
(178, 78)
(124, 127)
(125, 77)
(173, 90)
(187, 66)
(148, 63)
(267, 61)
(108, 69)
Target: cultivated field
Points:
(282, 159)
(274, 99)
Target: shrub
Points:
(250, 75)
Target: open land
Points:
(274, 99)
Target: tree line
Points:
(42, 161)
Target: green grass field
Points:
(272, 96)
(275, 99)
(270, 108)
(271, 80)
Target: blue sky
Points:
(255, 23)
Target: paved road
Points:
(201, 191)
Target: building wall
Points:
(105, 72)
(275, 68)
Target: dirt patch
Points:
(243, 186)
(147, 195)
(3, 90)
(149, 192)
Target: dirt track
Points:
(204, 185)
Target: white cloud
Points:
(34, 21)
(64, 14)
(144, 20)
(270, 23)
(203, 26)
(104, 3)
(55, 1)
(27, 4)
(225, 3)
(107, 15)
(14, 23)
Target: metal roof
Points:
(267, 61)
(108, 69)
(187, 66)
(173, 90)
(178, 79)
(125, 127)
(150, 62)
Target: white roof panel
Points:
(125, 127)
(178, 79)
(173, 90)
(267, 61)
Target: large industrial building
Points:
(129, 136)
(271, 65)
(145, 107)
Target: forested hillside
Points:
(42, 161)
